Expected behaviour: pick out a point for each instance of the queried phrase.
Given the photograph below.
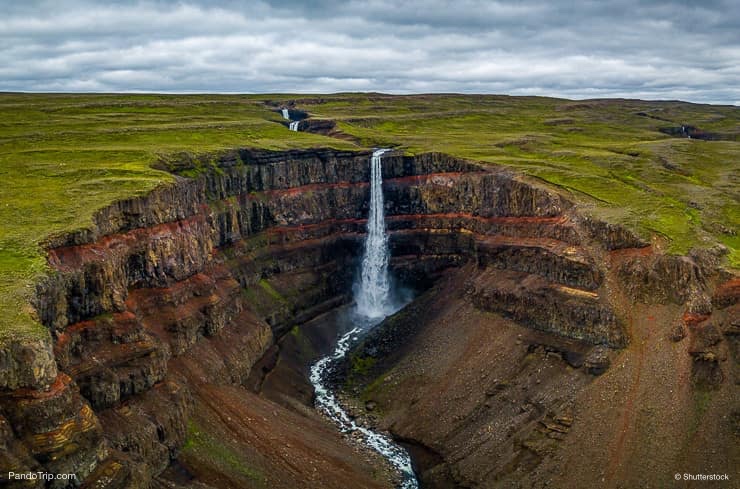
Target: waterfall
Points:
(372, 298)
(373, 305)
(293, 125)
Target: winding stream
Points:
(373, 305)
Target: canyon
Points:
(545, 347)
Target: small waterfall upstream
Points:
(373, 305)
(293, 126)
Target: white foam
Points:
(327, 402)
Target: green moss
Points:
(360, 366)
(203, 444)
(267, 287)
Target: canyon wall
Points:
(251, 243)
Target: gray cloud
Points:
(624, 48)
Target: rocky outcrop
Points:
(548, 306)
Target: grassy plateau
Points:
(62, 157)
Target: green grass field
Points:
(62, 157)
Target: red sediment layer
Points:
(71, 257)
(501, 240)
(60, 384)
(314, 241)
(114, 355)
(552, 245)
(692, 318)
(729, 290)
(120, 321)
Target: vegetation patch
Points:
(205, 445)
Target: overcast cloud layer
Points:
(621, 48)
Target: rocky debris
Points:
(556, 426)
(727, 294)
(27, 364)
(573, 358)
(597, 361)
(496, 388)
(704, 337)
(663, 278)
(55, 426)
(699, 304)
(613, 237)
(571, 352)
(545, 306)
(677, 333)
(707, 350)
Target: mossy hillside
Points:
(215, 450)
(63, 157)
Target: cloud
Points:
(626, 48)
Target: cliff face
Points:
(217, 266)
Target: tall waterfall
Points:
(373, 305)
(373, 295)
(286, 114)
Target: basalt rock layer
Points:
(218, 265)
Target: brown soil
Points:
(478, 399)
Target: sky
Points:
(573, 49)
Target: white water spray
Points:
(294, 125)
(286, 114)
(373, 294)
